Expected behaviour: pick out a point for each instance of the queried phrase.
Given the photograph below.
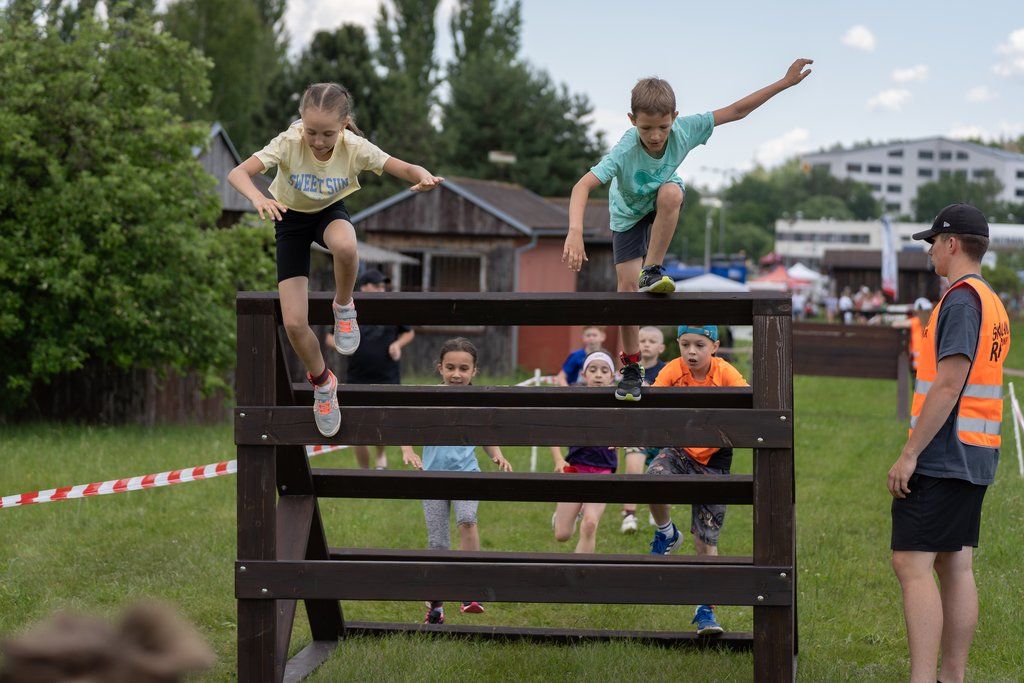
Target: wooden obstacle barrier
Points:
(284, 557)
(862, 351)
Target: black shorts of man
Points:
(378, 358)
(939, 481)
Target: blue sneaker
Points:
(707, 625)
(664, 544)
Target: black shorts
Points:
(938, 515)
(296, 231)
(632, 244)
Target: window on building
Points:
(1020, 192)
(894, 189)
(853, 168)
(982, 173)
(924, 173)
(962, 156)
(875, 187)
(874, 168)
(1020, 173)
(945, 156)
(895, 170)
(455, 273)
(896, 153)
(925, 154)
(412, 273)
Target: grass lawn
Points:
(177, 544)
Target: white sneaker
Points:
(346, 329)
(326, 412)
(629, 524)
(650, 520)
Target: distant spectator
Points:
(846, 306)
(799, 305)
(593, 337)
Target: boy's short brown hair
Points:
(653, 96)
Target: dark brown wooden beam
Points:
(661, 584)
(738, 641)
(527, 397)
(514, 486)
(308, 659)
(404, 554)
(538, 308)
(612, 426)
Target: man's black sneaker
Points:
(629, 385)
(654, 281)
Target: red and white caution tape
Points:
(149, 481)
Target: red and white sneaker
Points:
(472, 607)
(346, 329)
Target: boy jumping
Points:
(647, 194)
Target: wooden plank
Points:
(582, 582)
(526, 397)
(534, 487)
(255, 385)
(774, 498)
(307, 660)
(538, 308)
(903, 386)
(405, 554)
(737, 641)
(621, 425)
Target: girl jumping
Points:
(457, 367)
(319, 159)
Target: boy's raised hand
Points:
(796, 72)
(427, 184)
(573, 253)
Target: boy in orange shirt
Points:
(697, 366)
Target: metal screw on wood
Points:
(782, 575)
(265, 591)
(781, 417)
(242, 568)
(760, 440)
(284, 488)
(760, 598)
(264, 437)
(243, 415)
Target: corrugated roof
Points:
(521, 204)
(596, 218)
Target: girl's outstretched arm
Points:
(497, 458)
(240, 178)
(410, 458)
(423, 179)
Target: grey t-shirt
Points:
(946, 456)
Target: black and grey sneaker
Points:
(629, 385)
(654, 281)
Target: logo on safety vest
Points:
(1000, 338)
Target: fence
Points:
(283, 555)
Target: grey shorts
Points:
(632, 244)
(706, 520)
(438, 517)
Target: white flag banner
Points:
(890, 275)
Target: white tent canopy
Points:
(709, 282)
(799, 271)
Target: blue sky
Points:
(882, 70)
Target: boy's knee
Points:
(625, 283)
(562, 536)
(588, 527)
(670, 197)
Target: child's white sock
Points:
(351, 304)
(667, 528)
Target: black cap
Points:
(957, 219)
(372, 276)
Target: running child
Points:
(646, 194)
(652, 345)
(598, 371)
(319, 159)
(697, 366)
(457, 366)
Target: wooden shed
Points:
(474, 236)
(219, 157)
(856, 267)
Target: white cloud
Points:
(1012, 63)
(892, 99)
(786, 145)
(859, 37)
(913, 73)
(981, 93)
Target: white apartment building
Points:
(895, 170)
(806, 241)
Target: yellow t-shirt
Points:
(306, 184)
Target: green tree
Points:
(103, 259)
(824, 206)
(955, 187)
(498, 102)
(243, 40)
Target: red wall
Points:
(541, 270)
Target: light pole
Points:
(709, 203)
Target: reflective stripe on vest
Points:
(980, 406)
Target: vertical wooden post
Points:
(257, 491)
(903, 378)
(774, 498)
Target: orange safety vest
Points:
(916, 341)
(980, 409)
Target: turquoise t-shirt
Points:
(636, 175)
(450, 459)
